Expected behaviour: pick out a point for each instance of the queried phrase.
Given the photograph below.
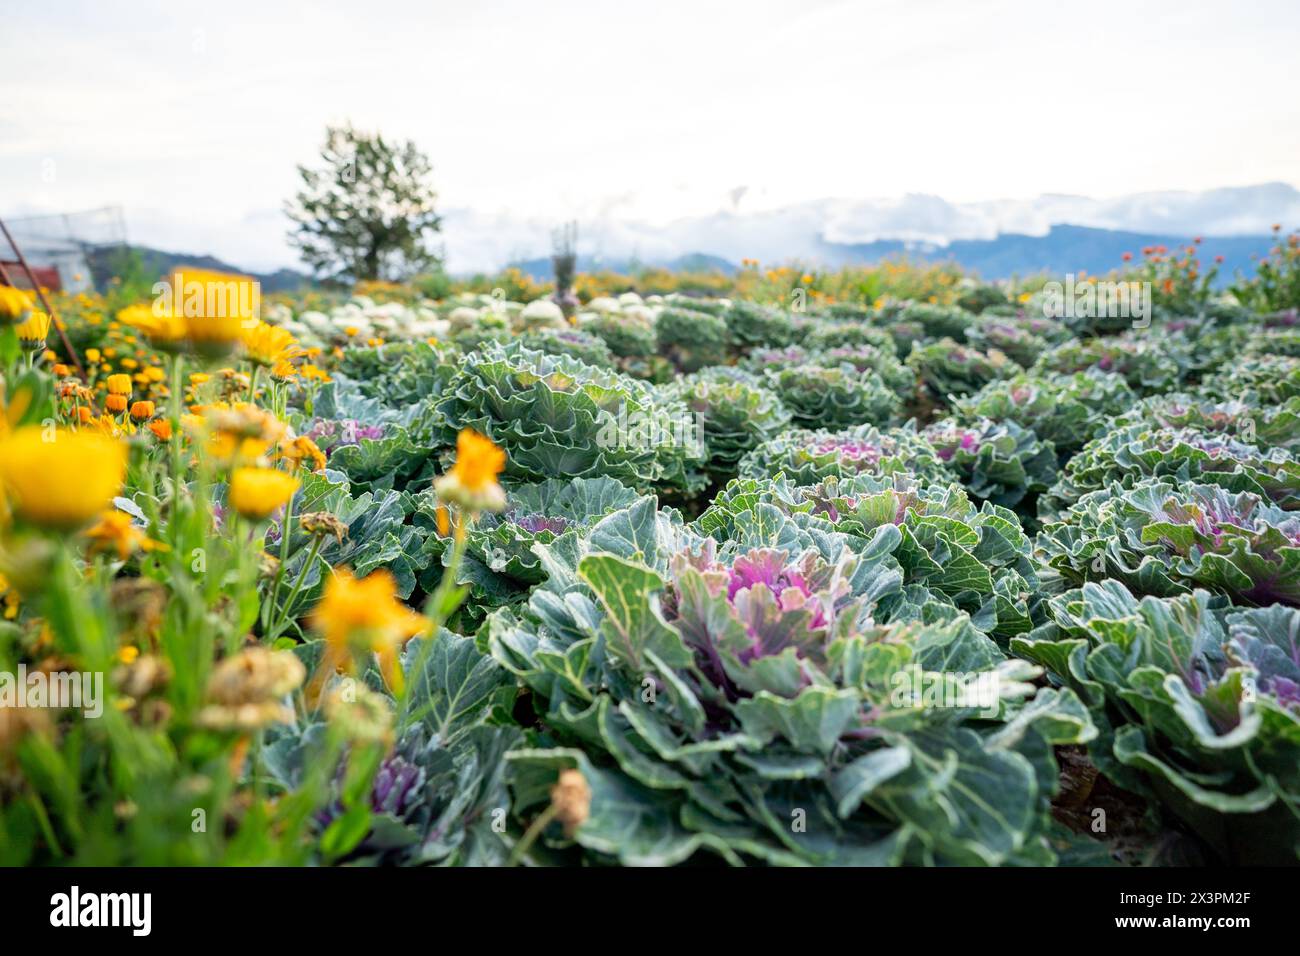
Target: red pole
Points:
(40, 294)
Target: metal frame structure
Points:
(40, 294)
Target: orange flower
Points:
(360, 617)
(115, 403)
(114, 531)
(472, 481)
(162, 428)
(142, 410)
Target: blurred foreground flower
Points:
(363, 715)
(472, 481)
(257, 492)
(60, 479)
(14, 304)
(246, 691)
(357, 617)
(116, 531)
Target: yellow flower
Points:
(472, 481)
(164, 331)
(365, 616)
(119, 384)
(268, 345)
(115, 531)
(61, 479)
(92, 356)
(216, 307)
(257, 492)
(9, 600)
(14, 304)
(32, 332)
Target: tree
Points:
(368, 211)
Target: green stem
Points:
(530, 835)
(439, 616)
(280, 625)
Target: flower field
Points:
(868, 567)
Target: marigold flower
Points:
(115, 403)
(257, 492)
(162, 429)
(164, 331)
(14, 304)
(92, 356)
(142, 410)
(119, 384)
(472, 481)
(268, 345)
(362, 616)
(33, 330)
(115, 531)
(60, 479)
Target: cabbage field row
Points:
(651, 580)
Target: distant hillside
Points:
(540, 268)
(158, 263)
(1063, 249)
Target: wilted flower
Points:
(245, 691)
(302, 450)
(361, 714)
(142, 675)
(571, 800)
(323, 523)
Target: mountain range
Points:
(996, 239)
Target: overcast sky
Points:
(192, 116)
